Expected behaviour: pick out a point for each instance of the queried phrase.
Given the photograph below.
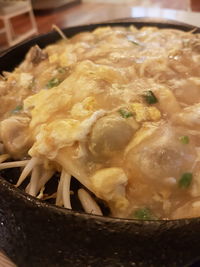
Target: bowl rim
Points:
(33, 201)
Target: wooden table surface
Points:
(5, 261)
(90, 12)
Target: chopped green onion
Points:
(61, 70)
(131, 40)
(184, 139)
(125, 113)
(150, 98)
(134, 42)
(143, 214)
(53, 82)
(185, 180)
(17, 109)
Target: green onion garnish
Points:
(184, 139)
(125, 113)
(61, 70)
(149, 97)
(53, 82)
(185, 180)
(17, 109)
(131, 40)
(143, 214)
(134, 42)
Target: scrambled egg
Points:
(117, 108)
(145, 113)
(61, 133)
(109, 184)
(43, 107)
(84, 108)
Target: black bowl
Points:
(35, 233)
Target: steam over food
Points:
(119, 110)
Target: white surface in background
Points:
(117, 12)
(182, 16)
(130, 2)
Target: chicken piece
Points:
(15, 135)
(167, 102)
(183, 95)
(189, 117)
(111, 134)
(155, 161)
(34, 56)
(159, 155)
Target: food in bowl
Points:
(117, 109)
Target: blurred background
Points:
(20, 19)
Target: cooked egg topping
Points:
(116, 108)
